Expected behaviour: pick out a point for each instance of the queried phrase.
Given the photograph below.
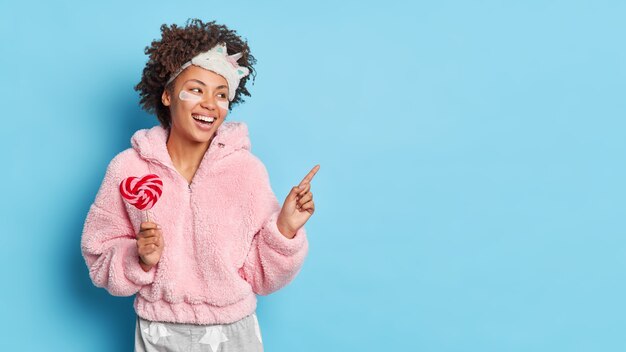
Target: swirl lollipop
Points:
(142, 192)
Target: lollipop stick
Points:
(148, 215)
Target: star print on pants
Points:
(214, 337)
(257, 330)
(156, 331)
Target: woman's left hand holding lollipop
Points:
(143, 192)
(298, 206)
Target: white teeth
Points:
(203, 118)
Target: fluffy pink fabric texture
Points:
(222, 245)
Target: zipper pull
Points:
(189, 186)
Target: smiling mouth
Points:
(206, 120)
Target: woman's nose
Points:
(209, 102)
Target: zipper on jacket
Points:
(174, 171)
(220, 145)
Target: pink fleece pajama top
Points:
(222, 245)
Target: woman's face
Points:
(198, 105)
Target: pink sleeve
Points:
(109, 243)
(273, 260)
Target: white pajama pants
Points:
(243, 335)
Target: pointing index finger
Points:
(310, 175)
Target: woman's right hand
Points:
(149, 244)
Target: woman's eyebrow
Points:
(196, 80)
(202, 83)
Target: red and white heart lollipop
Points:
(142, 192)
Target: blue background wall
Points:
(471, 190)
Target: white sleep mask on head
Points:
(217, 60)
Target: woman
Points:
(217, 234)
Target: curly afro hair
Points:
(179, 45)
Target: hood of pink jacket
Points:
(150, 144)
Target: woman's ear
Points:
(165, 97)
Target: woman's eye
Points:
(197, 90)
(222, 95)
